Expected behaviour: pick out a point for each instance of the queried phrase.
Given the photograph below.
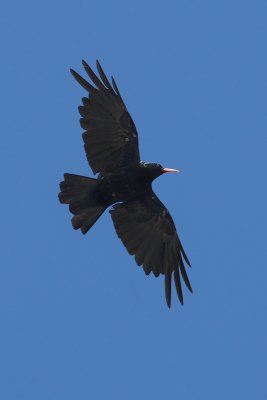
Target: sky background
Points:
(79, 320)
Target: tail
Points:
(80, 193)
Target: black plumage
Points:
(124, 182)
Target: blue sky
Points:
(79, 320)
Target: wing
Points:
(148, 232)
(110, 137)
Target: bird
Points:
(123, 184)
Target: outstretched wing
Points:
(110, 137)
(148, 232)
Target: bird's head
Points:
(154, 170)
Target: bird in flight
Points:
(124, 182)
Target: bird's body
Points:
(126, 184)
(141, 221)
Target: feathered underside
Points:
(110, 137)
(111, 144)
(148, 232)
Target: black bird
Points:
(141, 221)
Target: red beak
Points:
(170, 170)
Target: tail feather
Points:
(87, 218)
(80, 192)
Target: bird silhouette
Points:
(124, 182)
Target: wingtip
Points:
(168, 300)
(189, 287)
(74, 74)
(186, 258)
(169, 303)
(168, 288)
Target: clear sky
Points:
(79, 319)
